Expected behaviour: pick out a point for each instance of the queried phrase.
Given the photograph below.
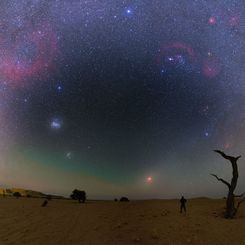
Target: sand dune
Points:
(24, 221)
(25, 193)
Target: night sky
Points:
(121, 97)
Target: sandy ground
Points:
(24, 221)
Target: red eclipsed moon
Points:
(149, 179)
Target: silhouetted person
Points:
(45, 203)
(182, 204)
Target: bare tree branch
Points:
(230, 158)
(222, 154)
(238, 157)
(239, 203)
(231, 210)
(222, 180)
(239, 195)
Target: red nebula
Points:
(183, 46)
(212, 20)
(234, 21)
(15, 69)
(175, 48)
(211, 67)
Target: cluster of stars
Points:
(56, 124)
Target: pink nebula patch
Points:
(175, 48)
(15, 68)
(212, 20)
(234, 21)
(211, 67)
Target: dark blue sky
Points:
(101, 95)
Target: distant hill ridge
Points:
(25, 193)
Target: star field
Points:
(93, 93)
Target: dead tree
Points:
(231, 209)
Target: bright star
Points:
(129, 11)
(59, 88)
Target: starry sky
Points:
(121, 97)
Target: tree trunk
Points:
(231, 210)
(230, 206)
(230, 203)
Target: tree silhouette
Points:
(231, 210)
(124, 199)
(16, 194)
(78, 195)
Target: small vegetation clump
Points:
(16, 194)
(78, 195)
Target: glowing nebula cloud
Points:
(180, 56)
(174, 48)
(177, 56)
(69, 155)
(56, 124)
(26, 54)
(211, 67)
(212, 20)
(234, 21)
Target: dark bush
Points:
(49, 197)
(16, 194)
(124, 199)
(115, 200)
(78, 195)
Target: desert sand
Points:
(24, 221)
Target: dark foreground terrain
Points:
(24, 221)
